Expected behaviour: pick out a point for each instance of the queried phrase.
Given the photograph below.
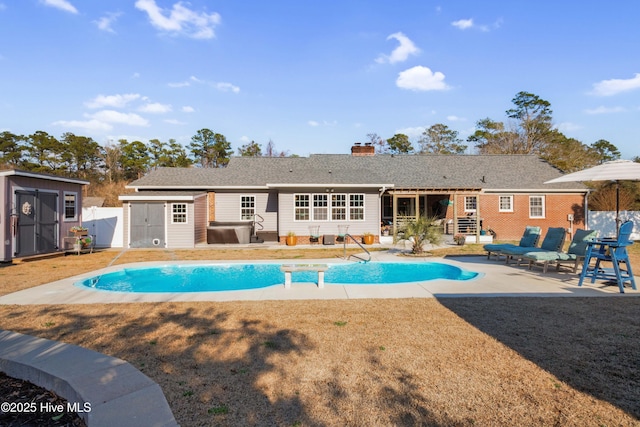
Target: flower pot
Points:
(368, 239)
(291, 240)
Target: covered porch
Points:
(458, 210)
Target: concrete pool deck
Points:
(496, 279)
(121, 395)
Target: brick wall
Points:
(510, 225)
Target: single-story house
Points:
(38, 212)
(266, 198)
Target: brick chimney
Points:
(363, 150)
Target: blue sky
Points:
(315, 77)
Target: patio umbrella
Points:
(616, 170)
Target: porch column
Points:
(455, 214)
(477, 218)
(395, 216)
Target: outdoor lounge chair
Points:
(575, 253)
(613, 251)
(529, 239)
(552, 242)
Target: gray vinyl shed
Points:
(37, 212)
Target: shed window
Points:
(70, 206)
(536, 206)
(247, 207)
(178, 213)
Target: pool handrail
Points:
(344, 244)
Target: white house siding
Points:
(180, 235)
(371, 223)
(228, 207)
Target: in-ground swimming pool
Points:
(233, 277)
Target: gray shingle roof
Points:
(517, 172)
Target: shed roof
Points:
(486, 172)
(49, 177)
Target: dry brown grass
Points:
(458, 361)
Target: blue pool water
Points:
(229, 277)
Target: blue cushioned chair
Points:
(552, 242)
(613, 251)
(575, 253)
(529, 238)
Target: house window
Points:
(178, 213)
(505, 204)
(387, 206)
(470, 203)
(247, 207)
(320, 207)
(70, 206)
(301, 207)
(356, 207)
(338, 207)
(536, 206)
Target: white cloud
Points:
(188, 109)
(568, 127)
(2, 6)
(180, 20)
(60, 4)
(463, 24)
(180, 84)
(174, 122)
(135, 75)
(400, 53)
(456, 119)
(155, 108)
(616, 86)
(421, 78)
(114, 101)
(605, 110)
(111, 116)
(412, 132)
(221, 86)
(313, 123)
(227, 87)
(91, 125)
(106, 21)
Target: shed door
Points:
(147, 225)
(37, 223)
(47, 222)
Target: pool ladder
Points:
(344, 245)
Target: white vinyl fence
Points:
(605, 222)
(105, 224)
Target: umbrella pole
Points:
(617, 207)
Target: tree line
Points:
(82, 157)
(529, 129)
